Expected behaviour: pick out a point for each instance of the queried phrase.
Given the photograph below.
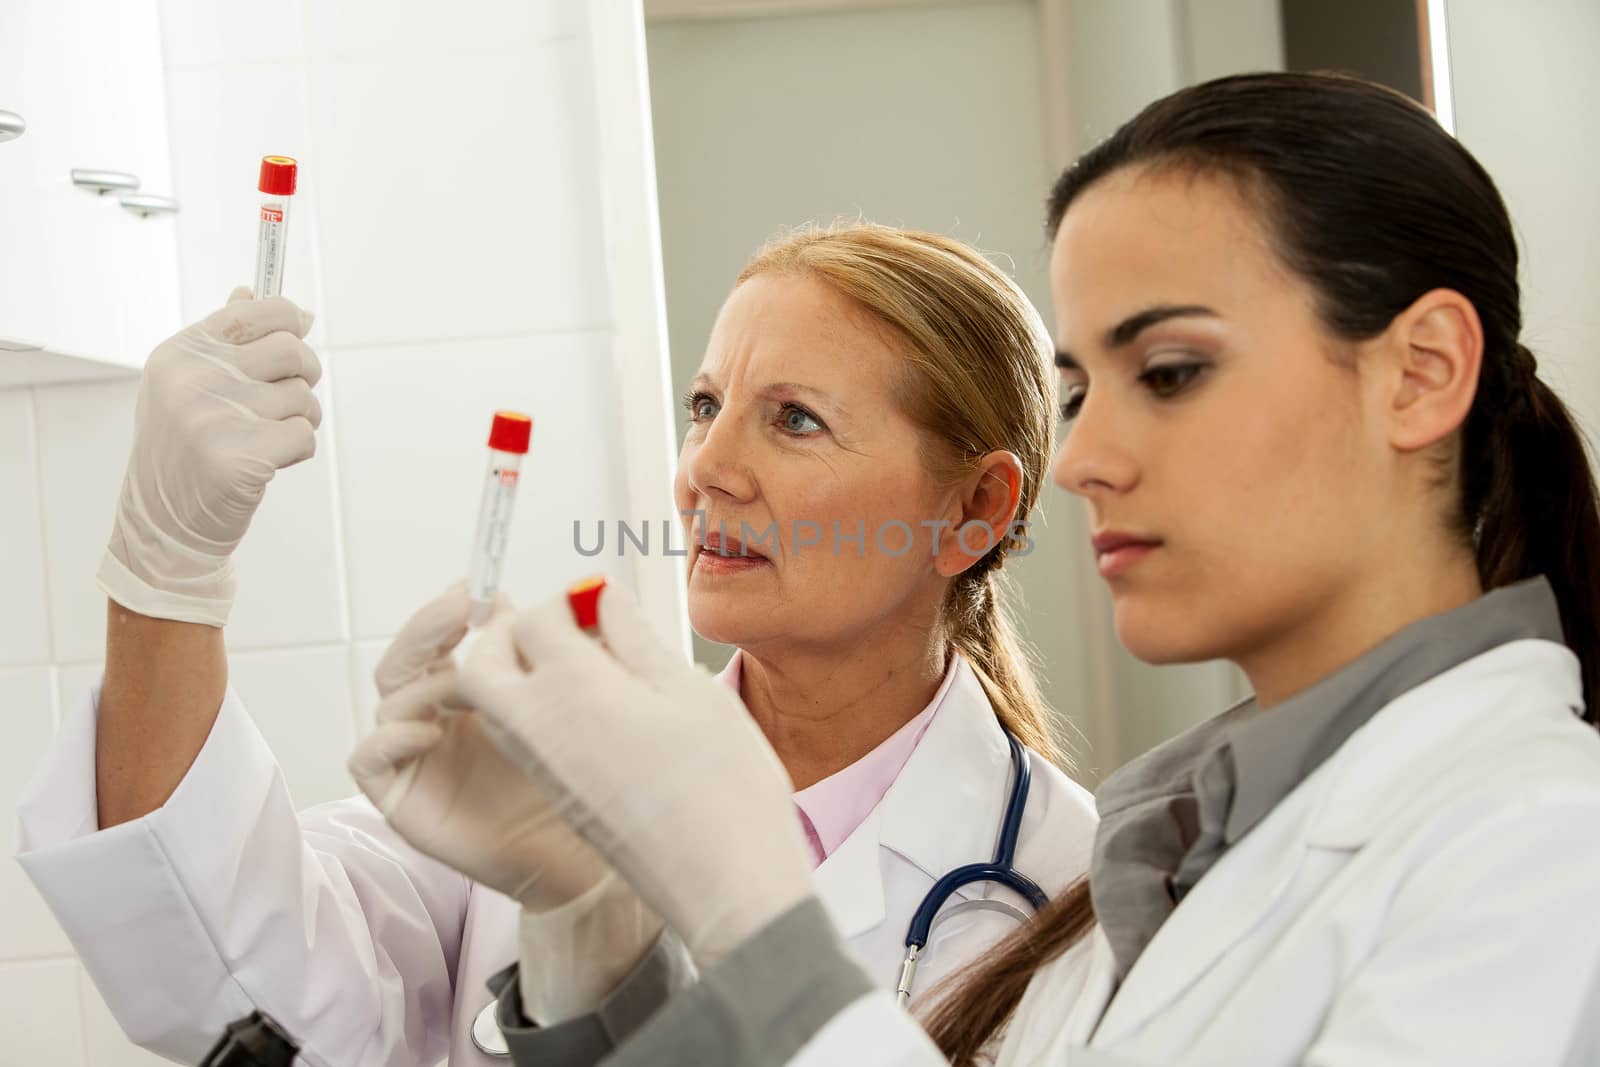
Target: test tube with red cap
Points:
(278, 174)
(584, 600)
(509, 435)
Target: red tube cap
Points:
(278, 175)
(584, 599)
(510, 432)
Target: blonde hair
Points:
(977, 380)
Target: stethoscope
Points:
(1002, 871)
(486, 1035)
(488, 1039)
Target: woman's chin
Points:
(715, 618)
(1151, 637)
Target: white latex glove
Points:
(656, 763)
(446, 789)
(223, 406)
(572, 957)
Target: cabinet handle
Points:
(144, 205)
(11, 125)
(104, 181)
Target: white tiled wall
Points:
(448, 234)
(24, 635)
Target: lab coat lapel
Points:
(944, 809)
(1089, 1005)
(850, 880)
(1410, 746)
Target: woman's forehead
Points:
(1158, 239)
(796, 329)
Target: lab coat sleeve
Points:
(225, 900)
(1489, 953)
(790, 994)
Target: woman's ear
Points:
(986, 505)
(1436, 351)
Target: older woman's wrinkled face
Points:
(1233, 470)
(811, 508)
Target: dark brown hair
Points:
(1372, 204)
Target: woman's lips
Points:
(717, 541)
(1116, 552)
(723, 555)
(709, 562)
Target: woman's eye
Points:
(1072, 402)
(1170, 379)
(701, 407)
(798, 420)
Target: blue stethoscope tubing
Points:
(1001, 871)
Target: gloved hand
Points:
(655, 763)
(446, 789)
(223, 406)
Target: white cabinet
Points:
(86, 285)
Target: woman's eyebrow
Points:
(792, 390)
(1128, 330)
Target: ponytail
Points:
(976, 1003)
(1529, 498)
(981, 628)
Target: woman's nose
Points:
(1093, 459)
(718, 464)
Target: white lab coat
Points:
(225, 899)
(1427, 896)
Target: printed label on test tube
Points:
(508, 443)
(278, 176)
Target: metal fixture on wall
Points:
(145, 204)
(102, 182)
